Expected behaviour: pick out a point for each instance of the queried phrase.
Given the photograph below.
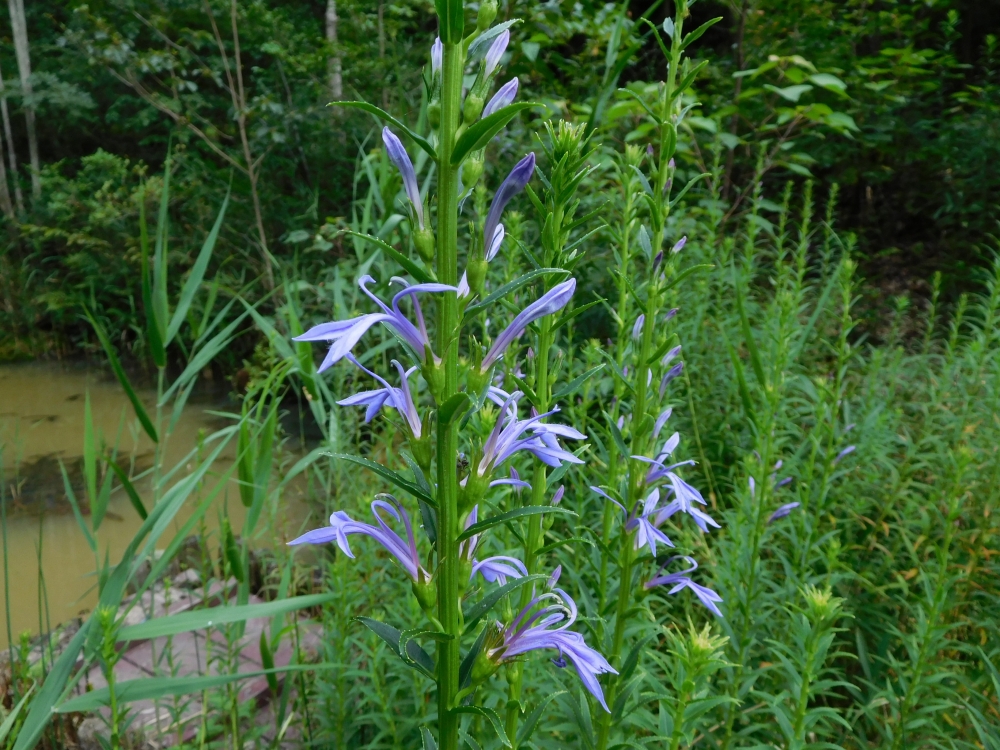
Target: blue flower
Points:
(399, 157)
(437, 54)
(341, 526)
(552, 301)
(547, 628)
(346, 333)
(681, 581)
(495, 52)
(399, 399)
(506, 439)
(519, 176)
(498, 569)
(781, 512)
(502, 98)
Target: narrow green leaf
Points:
(570, 388)
(484, 605)
(482, 132)
(490, 714)
(99, 506)
(214, 616)
(244, 460)
(196, 276)
(89, 451)
(383, 115)
(161, 312)
(267, 661)
(133, 496)
(12, 717)
(696, 34)
(510, 515)
(205, 354)
(511, 287)
(820, 306)
(531, 720)
(151, 688)
(71, 496)
(416, 657)
(40, 712)
(465, 670)
(405, 484)
(263, 458)
(428, 739)
(690, 270)
(153, 337)
(116, 366)
(690, 184)
(232, 550)
(411, 267)
(741, 382)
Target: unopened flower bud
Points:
(476, 272)
(426, 592)
(487, 12)
(423, 239)
(474, 103)
(434, 113)
(472, 169)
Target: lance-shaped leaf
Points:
(570, 388)
(116, 366)
(412, 268)
(197, 275)
(412, 487)
(386, 117)
(482, 132)
(511, 286)
(510, 515)
(531, 720)
(490, 714)
(152, 688)
(215, 616)
(133, 496)
(416, 657)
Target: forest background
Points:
(904, 118)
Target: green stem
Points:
(447, 438)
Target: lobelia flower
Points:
(781, 512)
(341, 526)
(679, 245)
(399, 399)
(685, 496)
(670, 356)
(399, 157)
(495, 52)
(548, 628)
(519, 176)
(844, 453)
(637, 328)
(506, 439)
(437, 54)
(681, 581)
(552, 301)
(646, 530)
(672, 373)
(345, 334)
(502, 98)
(498, 569)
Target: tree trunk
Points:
(11, 152)
(334, 63)
(19, 29)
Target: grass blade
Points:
(197, 275)
(116, 366)
(133, 496)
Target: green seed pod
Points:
(472, 169)
(474, 104)
(487, 12)
(424, 241)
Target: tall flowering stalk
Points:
(462, 460)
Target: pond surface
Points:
(41, 426)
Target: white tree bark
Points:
(11, 152)
(19, 29)
(334, 64)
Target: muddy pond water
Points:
(41, 425)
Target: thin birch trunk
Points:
(19, 29)
(11, 151)
(334, 64)
(5, 204)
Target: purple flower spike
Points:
(501, 98)
(341, 526)
(399, 399)
(781, 512)
(437, 54)
(672, 373)
(552, 301)
(681, 581)
(345, 334)
(399, 157)
(519, 176)
(541, 629)
(498, 569)
(495, 52)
